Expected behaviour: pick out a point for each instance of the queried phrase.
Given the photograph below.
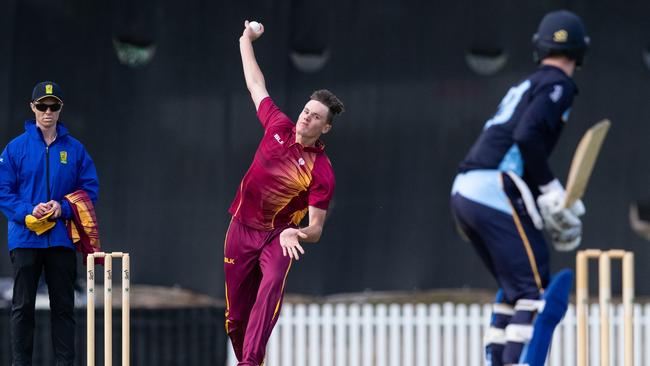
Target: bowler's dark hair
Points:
(330, 100)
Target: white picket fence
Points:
(422, 335)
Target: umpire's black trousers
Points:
(59, 265)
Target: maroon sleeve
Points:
(270, 115)
(323, 183)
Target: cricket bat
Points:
(583, 161)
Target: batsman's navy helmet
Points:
(561, 33)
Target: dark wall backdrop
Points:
(172, 139)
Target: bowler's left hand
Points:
(289, 242)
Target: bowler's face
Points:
(313, 122)
(46, 118)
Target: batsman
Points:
(505, 195)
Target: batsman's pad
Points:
(495, 336)
(556, 302)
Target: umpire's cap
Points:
(47, 89)
(561, 32)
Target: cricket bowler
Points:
(290, 177)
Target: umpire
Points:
(37, 169)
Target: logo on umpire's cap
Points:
(560, 36)
(47, 89)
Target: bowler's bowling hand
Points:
(289, 242)
(250, 33)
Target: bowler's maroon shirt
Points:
(285, 178)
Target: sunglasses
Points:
(43, 107)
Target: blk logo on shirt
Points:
(277, 137)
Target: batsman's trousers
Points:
(513, 250)
(516, 254)
(256, 272)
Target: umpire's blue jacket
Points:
(31, 173)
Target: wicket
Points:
(108, 307)
(604, 295)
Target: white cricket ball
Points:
(255, 26)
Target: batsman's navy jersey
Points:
(518, 138)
